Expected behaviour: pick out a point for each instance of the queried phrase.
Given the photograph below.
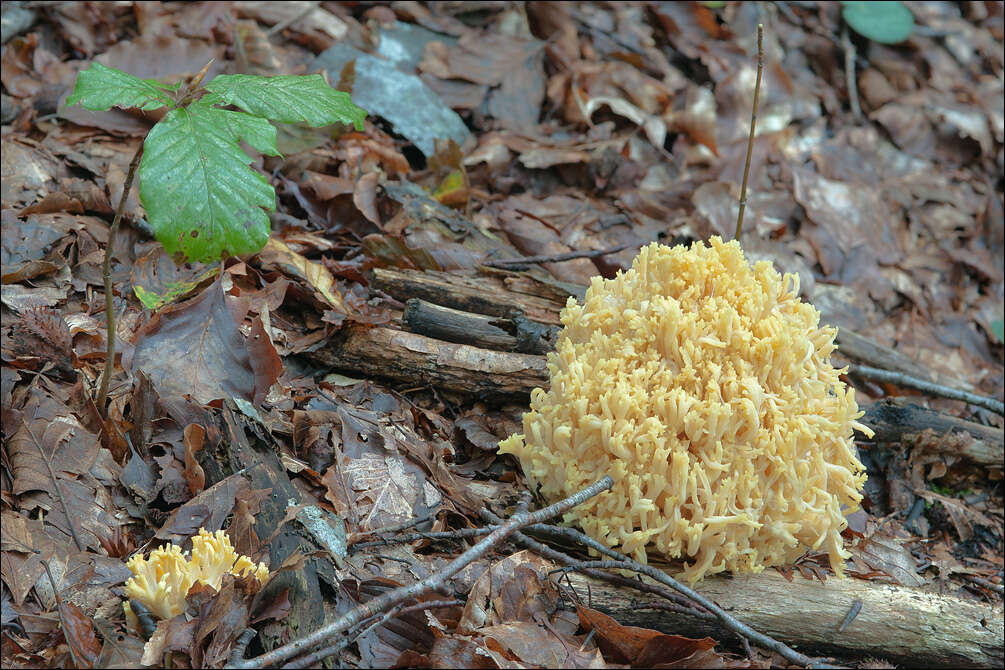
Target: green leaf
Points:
(884, 22)
(287, 98)
(201, 196)
(998, 327)
(100, 88)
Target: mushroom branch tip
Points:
(162, 580)
(703, 385)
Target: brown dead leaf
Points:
(194, 476)
(175, 634)
(647, 648)
(16, 67)
(196, 349)
(456, 652)
(52, 456)
(535, 645)
(278, 254)
(265, 361)
(220, 622)
(207, 510)
(23, 545)
(26, 244)
(156, 275)
(79, 635)
(882, 551)
(497, 595)
(242, 525)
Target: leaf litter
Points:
(575, 127)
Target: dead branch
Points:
(896, 422)
(900, 624)
(422, 361)
(514, 333)
(928, 387)
(436, 581)
(514, 263)
(870, 352)
(479, 294)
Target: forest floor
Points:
(496, 131)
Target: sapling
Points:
(203, 200)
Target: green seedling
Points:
(202, 198)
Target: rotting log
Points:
(904, 422)
(899, 624)
(515, 333)
(480, 294)
(417, 360)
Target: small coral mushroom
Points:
(703, 386)
(162, 581)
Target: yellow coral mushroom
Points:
(162, 581)
(213, 555)
(704, 387)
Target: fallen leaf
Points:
(196, 349)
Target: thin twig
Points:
(286, 23)
(997, 588)
(849, 73)
(107, 274)
(577, 537)
(753, 124)
(727, 620)
(412, 537)
(940, 390)
(377, 620)
(660, 605)
(433, 582)
(553, 258)
(395, 528)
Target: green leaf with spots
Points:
(288, 98)
(201, 195)
(100, 88)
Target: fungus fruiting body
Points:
(162, 580)
(704, 387)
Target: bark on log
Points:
(422, 361)
(477, 294)
(490, 332)
(904, 422)
(902, 625)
